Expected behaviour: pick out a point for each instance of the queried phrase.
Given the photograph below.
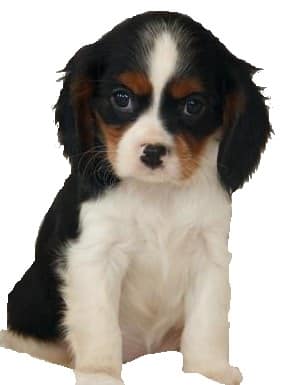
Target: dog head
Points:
(145, 100)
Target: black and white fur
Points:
(129, 259)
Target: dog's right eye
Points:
(122, 100)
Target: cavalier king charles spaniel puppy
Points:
(161, 123)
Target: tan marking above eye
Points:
(137, 82)
(180, 88)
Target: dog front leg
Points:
(205, 340)
(92, 289)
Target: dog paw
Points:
(96, 379)
(3, 338)
(224, 374)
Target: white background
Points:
(37, 39)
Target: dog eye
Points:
(194, 105)
(121, 99)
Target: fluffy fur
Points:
(161, 123)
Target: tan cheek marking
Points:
(136, 82)
(112, 135)
(188, 150)
(81, 92)
(180, 88)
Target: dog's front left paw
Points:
(96, 379)
(222, 373)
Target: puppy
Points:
(161, 124)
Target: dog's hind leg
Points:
(54, 352)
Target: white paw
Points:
(96, 379)
(224, 373)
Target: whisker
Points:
(94, 152)
(87, 165)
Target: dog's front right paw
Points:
(96, 379)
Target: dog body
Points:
(158, 239)
(161, 123)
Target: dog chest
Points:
(156, 234)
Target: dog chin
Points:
(169, 172)
(155, 177)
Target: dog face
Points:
(144, 101)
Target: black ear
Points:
(64, 117)
(76, 125)
(246, 127)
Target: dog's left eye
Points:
(122, 100)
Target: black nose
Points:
(152, 154)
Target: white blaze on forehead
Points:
(162, 64)
(149, 127)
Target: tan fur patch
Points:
(137, 82)
(180, 88)
(81, 92)
(188, 150)
(112, 135)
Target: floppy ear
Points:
(64, 117)
(246, 126)
(76, 124)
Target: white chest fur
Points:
(154, 236)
